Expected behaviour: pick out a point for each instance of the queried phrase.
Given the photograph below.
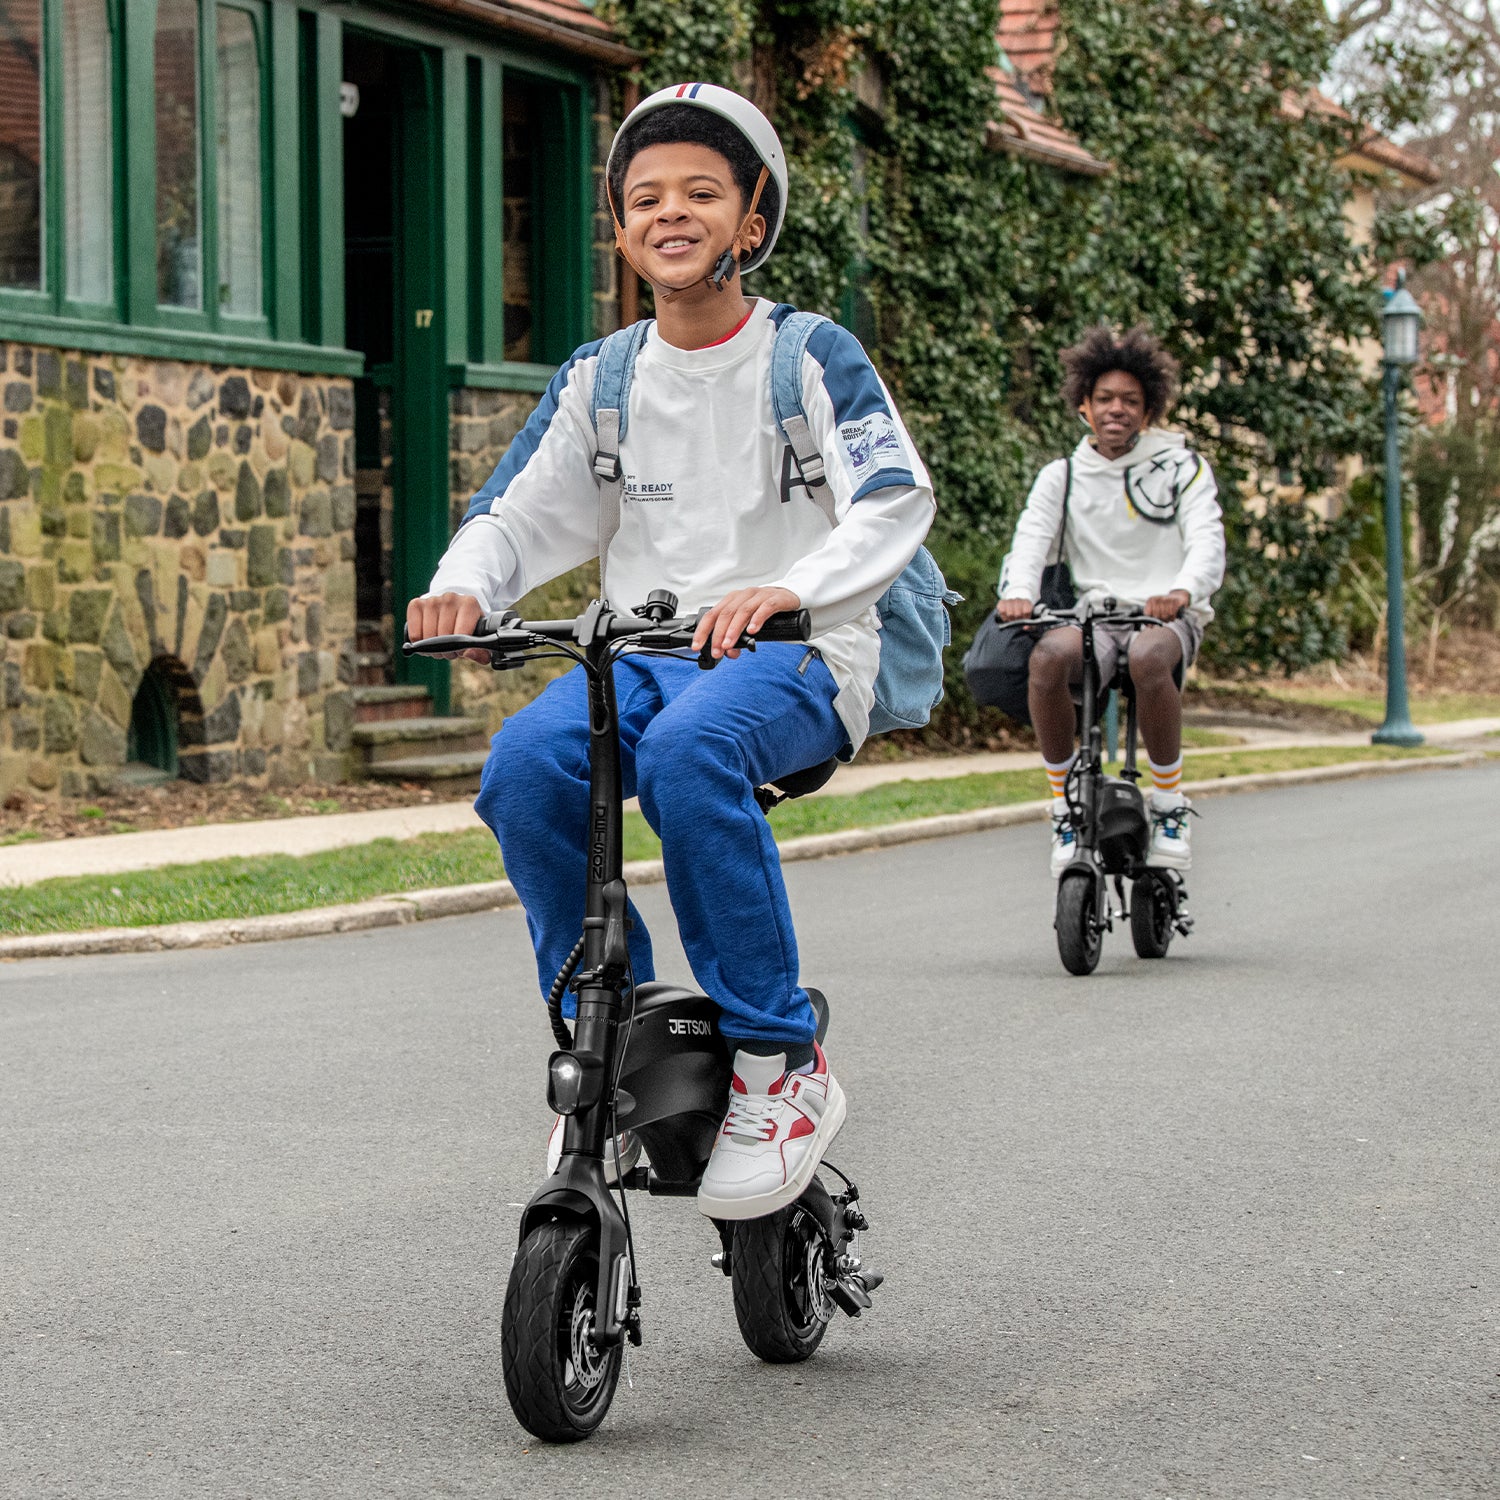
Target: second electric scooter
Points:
(1111, 824)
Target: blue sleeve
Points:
(524, 445)
(873, 445)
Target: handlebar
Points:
(505, 633)
(1110, 614)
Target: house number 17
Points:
(424, 317)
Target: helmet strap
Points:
(724, 267)
(739, 246)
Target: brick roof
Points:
(1027, 36)
(1028, 32)
(569, 24)
(1024, 131)
(1374, 148)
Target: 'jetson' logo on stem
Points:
(689, 1028)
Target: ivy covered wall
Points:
(1221, 225)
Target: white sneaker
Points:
(1171, 844)
(778, 1127)
(630, 1151)
(1064, 839)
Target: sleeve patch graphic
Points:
(872, 444)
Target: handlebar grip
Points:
(789, 625)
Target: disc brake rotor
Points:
(585, 1364)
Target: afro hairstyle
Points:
(673, 124)
(1138, 353)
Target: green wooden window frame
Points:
(562, 218)
(301, 322)
(134, 323)
(52, 301)
(208, 317)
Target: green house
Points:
(279, 281)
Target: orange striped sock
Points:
(1166, 778)
(1057, 775)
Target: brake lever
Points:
(707, 661)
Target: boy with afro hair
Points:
(1134, 512)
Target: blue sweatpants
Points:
(694, 746)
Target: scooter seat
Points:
(796, 784)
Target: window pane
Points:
(239, 165)
(21, 143)
(177, 219)
(520, 175)
(88, 229)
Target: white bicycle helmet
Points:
(750, 123)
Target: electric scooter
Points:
(1111, 824)
(647, 1059)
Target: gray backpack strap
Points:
(1062, 530)
(611, 412)
(786, 404)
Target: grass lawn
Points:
(1196, 738)
(278, 883)
(1435, 708)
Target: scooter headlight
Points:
(573, 1080)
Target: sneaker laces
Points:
(1062, 829)
(751, 1117)
(1173, 820)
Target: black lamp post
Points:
(1400, 322)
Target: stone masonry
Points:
(194, 518)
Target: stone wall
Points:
(192, 517)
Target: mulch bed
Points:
(182, 804)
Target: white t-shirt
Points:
(1140, 525)
(712, 501)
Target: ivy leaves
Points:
(1222, 226)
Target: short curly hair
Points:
(1138, 353)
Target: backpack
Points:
(914, 626)
(997, 666)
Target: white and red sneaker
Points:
(778, 1127)
(630, 1151)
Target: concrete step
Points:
(400, 739)
(369, 635)
(455, 771)
(372, 668)
(389, 701)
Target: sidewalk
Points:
(114, 854)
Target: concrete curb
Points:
(495, 895)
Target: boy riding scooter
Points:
(715, 508)
(1134, 513)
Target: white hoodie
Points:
(1129, 545)
(711, 502)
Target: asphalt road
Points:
(1223, 1225)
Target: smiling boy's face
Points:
(1116, 410)
(682, 208)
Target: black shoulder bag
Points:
(997, 666)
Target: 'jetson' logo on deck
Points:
(689, 1028)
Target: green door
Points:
(419, 393)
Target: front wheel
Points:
(560, 1385)
(1152, 913)
(781, 1302)
(1080, 937)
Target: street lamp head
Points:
(1400, 321)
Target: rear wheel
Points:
(1080, 939)
(780, 1301)
(1152, 910)
(559, 1384)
